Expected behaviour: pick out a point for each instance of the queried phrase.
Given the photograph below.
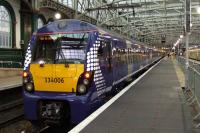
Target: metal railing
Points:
(10, 64)
(193, 83)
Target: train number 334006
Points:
(53, 80)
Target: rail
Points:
(11, 112)
(193, 82)
(11, 106)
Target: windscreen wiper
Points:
(82, 39)
(62, 56)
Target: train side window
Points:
(100, 50)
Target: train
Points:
(71, 67)
(194, 54)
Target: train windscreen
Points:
(61, 49)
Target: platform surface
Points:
(10, 78)
(154, 105)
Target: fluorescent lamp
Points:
(57, 15)
(198, 10)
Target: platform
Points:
(10, 78)
(154, 105)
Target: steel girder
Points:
(149, 22)
(159, 17)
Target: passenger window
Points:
(101, 48)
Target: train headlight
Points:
(86, 81)
(81, 89)
(29, 87)
(25, 80)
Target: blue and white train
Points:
(71, 66)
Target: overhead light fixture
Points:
(181, 36)
(198, 10)
(57, 15)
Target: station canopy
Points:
(155, 22)
(158, 23)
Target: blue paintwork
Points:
(67, 25)
(80, 106)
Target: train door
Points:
(115, 62)
(105, 55)
(109, 68)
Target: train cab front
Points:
(55, 84)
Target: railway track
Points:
(11, 112)
(11, 106)
(48, 129)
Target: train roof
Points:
(67, 26)
(77, 26)
(72, 26)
